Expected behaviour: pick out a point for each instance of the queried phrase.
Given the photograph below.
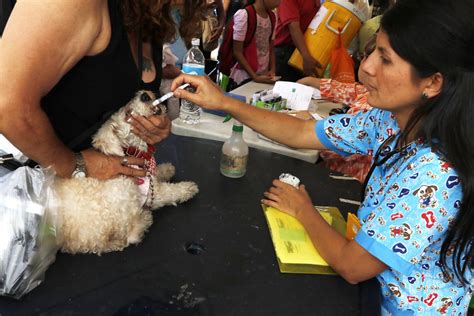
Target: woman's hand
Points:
(105, 167)
(207, 95)
(287, 198)
(152, 129)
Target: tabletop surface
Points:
(210, 256)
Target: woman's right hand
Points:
(103, 167)
(207, 95)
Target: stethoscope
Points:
(378, 163)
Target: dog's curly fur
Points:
(99, 216)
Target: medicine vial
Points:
(235, 152)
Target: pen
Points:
(168, 95)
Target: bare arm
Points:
(283, 128)
(272, 63)
(41, 42)
(347, 258)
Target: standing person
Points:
(417, 212)
(294, 17)
(66, 65)
(257, 60)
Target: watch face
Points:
(79, 174)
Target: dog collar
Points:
(135, 152)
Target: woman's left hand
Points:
(287, 198)
(152, 129)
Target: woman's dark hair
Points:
(192, 15)
(438, 36)
(155, 20)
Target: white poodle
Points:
(99, 216)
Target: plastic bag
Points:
(342, 65)
(28, 235)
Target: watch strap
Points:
(80, 164)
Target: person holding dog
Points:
(417, 211)
(66, 65)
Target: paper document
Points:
(316, 94)
(298, 96)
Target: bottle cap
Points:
(195, 41)
(237, 126)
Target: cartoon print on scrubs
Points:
(410, 200)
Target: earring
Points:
(424, 96)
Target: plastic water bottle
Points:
(193, 64)
(235, 152)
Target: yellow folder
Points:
(294, 249)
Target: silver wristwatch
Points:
(80, 170)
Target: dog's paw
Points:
(184, 191)
(164, 172)
(173, 193)
(189, 188)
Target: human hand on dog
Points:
(152, 129)
(103, 167)
(287, 198)
(207, 95)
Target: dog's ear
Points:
(434, 188)
(416, 192)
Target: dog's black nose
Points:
(145, 97)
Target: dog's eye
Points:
(145, 97)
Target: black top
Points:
(97, 86)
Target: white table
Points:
(212, 127)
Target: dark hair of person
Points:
(246, 3)
(155, 20)
(438, 36)
(194, 12)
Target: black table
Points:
(210, 256)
